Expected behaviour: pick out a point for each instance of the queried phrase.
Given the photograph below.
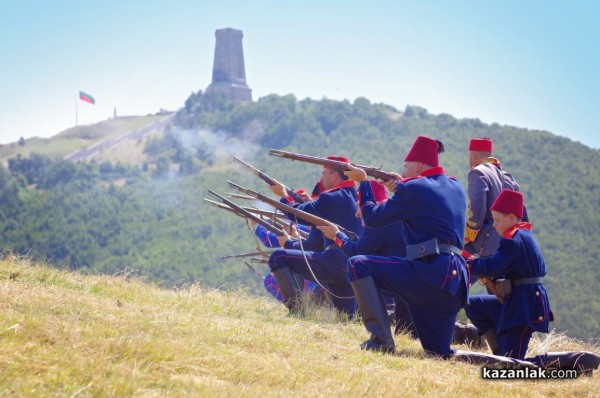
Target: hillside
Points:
(87, 136)
(107, 215)
(63, 333)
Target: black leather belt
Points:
(527, 281)
(444, 248)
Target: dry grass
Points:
(67, 334)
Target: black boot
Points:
(466, 333)
(290, 292)
(584, 362)
(492, 340)
(374, 315)
(404, 322)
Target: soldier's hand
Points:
(306, 197)
(294, 232)
(278, 189)
(356, 174)
(329, 230)
(283, 238)
(391, 183)
(484, 280)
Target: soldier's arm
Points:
(477, 205)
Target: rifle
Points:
(253, 270)
(259, 260)
(246, 213)
(288, 225)
(334, 164)
(271, 214)
(249, 254)
(312, 219)
(238, 196)
(269, 180)
(277, 219)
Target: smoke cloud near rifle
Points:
(219, 146)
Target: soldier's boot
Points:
(404, 323)
(290, 292)
(466, 333)
(374, 315)
(584, 362)
(492, 341)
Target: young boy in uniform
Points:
(520, 305)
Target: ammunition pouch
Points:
(504, 286)
(429, 248)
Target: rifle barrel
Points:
(268, 226)
(269, 180)
(311, 218)
(249, 254)
(335, 164)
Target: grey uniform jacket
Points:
(485, 182)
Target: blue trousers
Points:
(484, 311)
(328, 266)
(432, 310)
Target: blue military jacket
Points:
(337, 205)
(386, 241)
(430, 206)
(314, 241)
(519, 257)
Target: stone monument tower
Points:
(229, 73)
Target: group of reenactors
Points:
(422, 248)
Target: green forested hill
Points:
(153, 220)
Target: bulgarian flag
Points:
(86, 97)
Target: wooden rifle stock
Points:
(310, 218)
(334, 164)
(269, 180)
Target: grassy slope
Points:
(79, 137)
(67, 334)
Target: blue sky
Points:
(532, 64)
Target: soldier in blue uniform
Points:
(485, 180)
(385, 241)
(432, 279)
(313, 242)
(509, 321)
(337, 203)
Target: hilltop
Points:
(63, 333)
(115, 140)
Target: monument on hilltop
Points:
(229, 73)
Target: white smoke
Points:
(218, 144)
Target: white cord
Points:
(311, 270)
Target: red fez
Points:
(509, 202)
(338, 158)
(424, 150)
(379, 192)
(480, 145)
